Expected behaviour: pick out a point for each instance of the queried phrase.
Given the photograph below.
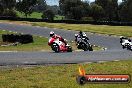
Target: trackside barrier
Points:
(12, 38)
(69, 21)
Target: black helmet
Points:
(80, 32)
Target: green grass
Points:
(62, 76)
(58, 17)
(37, 15)
(100, 29)
(33, 15)
(40, 43)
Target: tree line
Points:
(100, 10)
(27, 7)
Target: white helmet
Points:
(52, 33)
(76, 35)
(121, 36)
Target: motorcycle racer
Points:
(81, 41)
(81, 35)
(124, 38)
(126, 42)
(55, 36)
(58, 44)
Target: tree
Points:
(87, 9)
(97, 12)
(110, 8)
(73, 9)
(7, 7)
(26, 6)
(48, 14)
(76, 12)
(8, 4)
(1, 9)
(40, 6)
(61, 5)
(54, 8)
(126, 10)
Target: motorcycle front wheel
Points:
(55, 47)
(84, 47)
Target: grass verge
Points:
(33, 15)
(40, 43)
(101, 29)
(62, 76)
(37, 15)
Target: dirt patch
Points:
(16, 22)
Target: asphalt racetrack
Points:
(113, 50)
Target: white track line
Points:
(7, 51)
(116, 60)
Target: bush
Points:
(48, 14)
(87, 18)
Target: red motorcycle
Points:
(59, 46)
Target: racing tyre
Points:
(69, 49)
(129, 48)
(123, 47)
(55, 47)
(84, 47)
(90, 48)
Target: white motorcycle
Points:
(126, 43)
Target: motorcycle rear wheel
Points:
(90, 48)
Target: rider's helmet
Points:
(76, 35)
(121, 37)
(52, 33)
(80, 33)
